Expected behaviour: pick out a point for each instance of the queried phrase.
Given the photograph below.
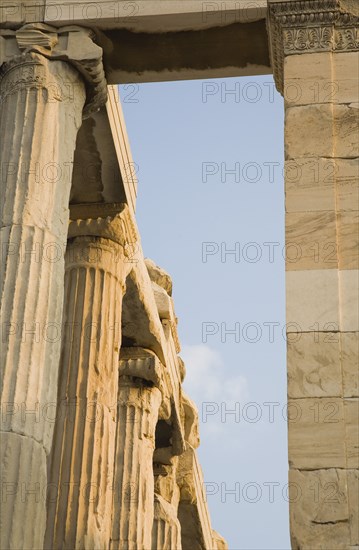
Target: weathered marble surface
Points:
(314, 365)
(349, 360)
(319, 510)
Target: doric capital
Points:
(307, 26)
(107, 220)
(72, 44)
(142, 363)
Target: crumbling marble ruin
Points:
(98, 441)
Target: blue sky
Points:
(210, 209)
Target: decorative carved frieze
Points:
(29, 44)
(301, 26)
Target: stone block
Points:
(351, 414)
(312, 300)
(313, 365)
(349, 294)
(309, 184)
(321, 78)
(348, 236)
(319, 509)
(349, 359)
(346, 77)
(311, 241)
(347, 183)
(322, 131)
(316, 433)
(353, 497)
(24, 485)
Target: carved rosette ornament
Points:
(27, 47)
(307, 26)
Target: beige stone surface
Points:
(305, 127)
(127, 166)
(165, 473)
(133, 499)
(310, 184)
(353, 495)
(218, 541)
(349, 343)
(347, 184)
(166, 532)
(316, 433)
(308, 79)
(311, 241)
(316, 184)
(348, 239)
(191, 423)
(313, 365)
(163, 302)
(84, 444)
(193, 510)
(351, 414)
(321, 77)
(159, 276)
(319, 514)
(349, 299)
(346, 76)
(24, 485)
(313, 300)
(34, 217)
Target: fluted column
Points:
(82, 458)
(42, 91)
(133, 509)
(166, 530)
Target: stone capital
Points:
(308, 26)
(35, 41)
(111, 221)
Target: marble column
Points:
(82, 457)
(139, 401)
(42, 91)
(166, 530)
(315, 59)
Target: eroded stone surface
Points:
(82, 458)
(349, 359)
(133, 505)
(314, 365)
(159, 276)
(316, 433)
(353, 496)
(306, 126)
(24, 491)
(351, 415)
(319, 509)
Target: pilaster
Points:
(314, 47)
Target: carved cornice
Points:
(72, 44)
(110, 221)
(307, 26)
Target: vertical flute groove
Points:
(138, 406)
(34, 218)
(84, 441)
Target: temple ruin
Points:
(94, 417)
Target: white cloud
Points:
(207, 379)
